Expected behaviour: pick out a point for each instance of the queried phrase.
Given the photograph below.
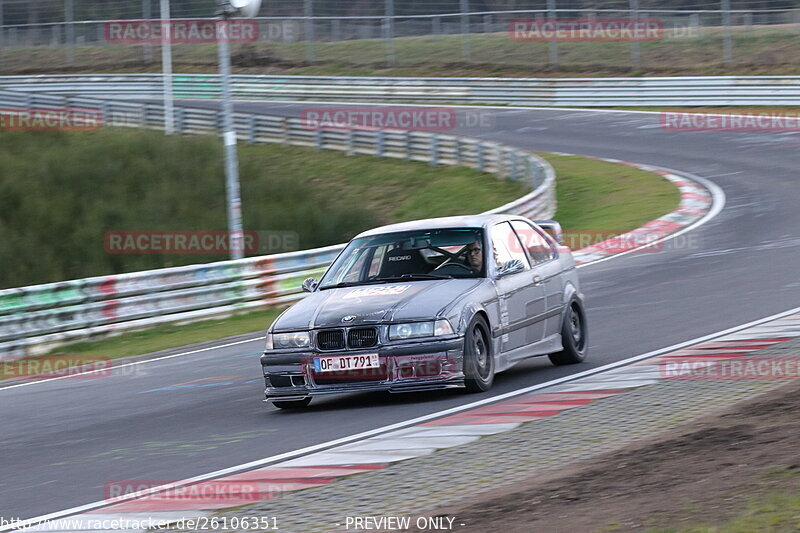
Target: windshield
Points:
(409, 256)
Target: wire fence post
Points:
(147, 14)
(388, 33)
(636, 51)
(728, 40)
(69, 30)
(309, 30)
(465, 48)
(2, 34)
(694, 25)
(166, 60)
(551, 15)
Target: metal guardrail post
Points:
(551, 15)
(458, 151)
(351, 142)
(104, 114)
(180, 120)
(380, 144)
(252, 129)
(308, 10)
(388, 33)
(285, 130)
(407, 142)
(143, 117)
(481, 157)
(434, 155)
(318, 140)
(727, 38)
(466, 53)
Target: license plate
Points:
(346, 362)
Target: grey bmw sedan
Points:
(430, 304)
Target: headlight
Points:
(283, 341)
(414, 330)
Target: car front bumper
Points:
(410, 367)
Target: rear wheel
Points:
(574, 338)
(478, 356)
(292, 404)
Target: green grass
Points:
(769, 507)
(592, 194)
(61, 192)
(596, 194)
(765, 50)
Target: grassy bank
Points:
(61, 192)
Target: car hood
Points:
(373, 304)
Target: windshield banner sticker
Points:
(378, 291)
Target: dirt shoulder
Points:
(716, 469)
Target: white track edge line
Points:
(399, 425)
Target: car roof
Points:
(468, 221)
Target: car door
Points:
(522, 302)
(542, 254)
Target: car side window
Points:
(539, 249)
(506, 246)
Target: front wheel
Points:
(478, 356)
(292, 404)
(574, 338)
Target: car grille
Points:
(330, 339)
(362, 337)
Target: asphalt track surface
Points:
(171, 419)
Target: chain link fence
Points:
(70, 34)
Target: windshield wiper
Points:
(403, 277)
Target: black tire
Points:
(574, 337)
(292, 404)
(478, 356)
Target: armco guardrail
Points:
(666, 91)
(35, 319)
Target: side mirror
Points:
(310, 284)
(514, 266)
(552, 228)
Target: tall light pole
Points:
(228, 9)
(166, 62)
